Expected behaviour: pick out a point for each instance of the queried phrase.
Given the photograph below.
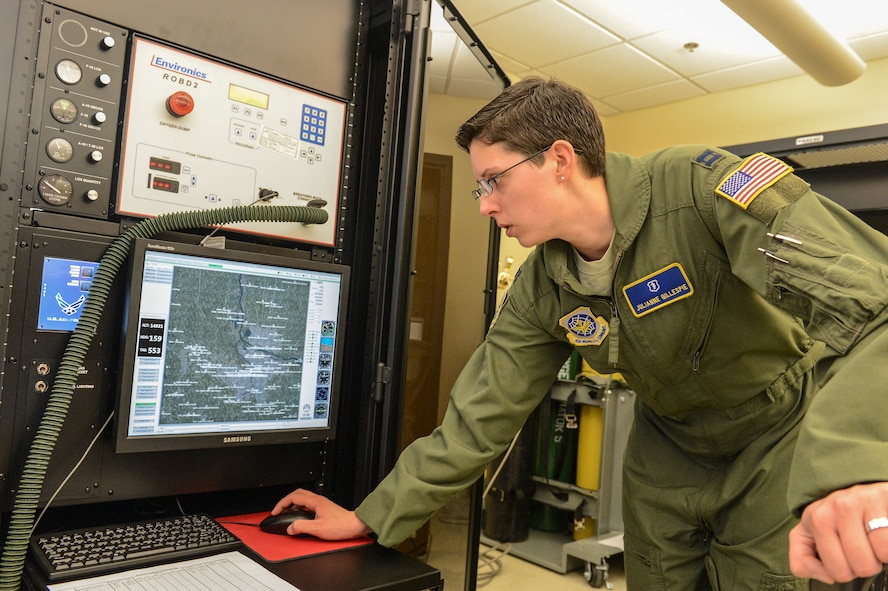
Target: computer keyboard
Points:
(80, 553)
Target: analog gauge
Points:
(68, 71)
(60, 149)
(63, 110)
(55, 189)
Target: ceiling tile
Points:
(603, 109)
(871, 47)
(868, 16)
(508, 64)
(442, 48)
(467, 66)
(610, 71)
(535, 33)
(630, 19)
(625, 53)
(476, 12)
(748, 74)
(725, 43)
(655, 95)
(474, 88)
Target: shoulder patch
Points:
(756, 173)
(707, 158)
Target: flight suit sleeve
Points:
(501, 385)
(820, 263)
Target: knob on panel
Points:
(180, 104)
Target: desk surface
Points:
(365, 568)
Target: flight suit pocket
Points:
(772, 582)
(642, 564)
(844, 290)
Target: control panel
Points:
(76, 108)
(127, 126)
(199, 133)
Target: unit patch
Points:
(758, 172)
(584, 328)
(661, 288)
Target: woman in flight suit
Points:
(745, 310)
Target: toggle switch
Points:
(180, 104)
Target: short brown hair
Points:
(534, 113)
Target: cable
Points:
(27, 497)
(72, 471)
(489, 563)
(265, 195)
(501, 464)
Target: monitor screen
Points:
(227, 348)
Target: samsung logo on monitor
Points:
(238, 439)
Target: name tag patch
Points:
(661, 288)
(584, 328)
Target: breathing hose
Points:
(34, 472)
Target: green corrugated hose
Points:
(34, 472)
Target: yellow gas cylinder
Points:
(589, 446)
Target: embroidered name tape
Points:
(758, 172)
(661, 288)
(583, 327)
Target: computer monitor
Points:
(225, 348)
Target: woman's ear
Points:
(565, 159)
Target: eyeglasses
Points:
(485, 186)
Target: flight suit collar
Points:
(629, 193)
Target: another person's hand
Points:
(842, 536)
(331, 521)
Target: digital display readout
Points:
(248, 96)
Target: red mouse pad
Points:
(276, 547)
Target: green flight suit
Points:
(729, 312)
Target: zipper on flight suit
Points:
(613, 352)
(613, 347)
(613, 334)
(613, 330)
(695, 364)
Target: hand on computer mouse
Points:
(280, 523)
(331, 522)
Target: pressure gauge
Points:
(68, 71)
(60, 149)
(55, 189)
(63, 110)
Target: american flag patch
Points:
(759, 172)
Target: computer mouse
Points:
(277, 524)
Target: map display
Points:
(253, 371)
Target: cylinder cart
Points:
(559, 551)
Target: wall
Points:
(785, 108)
(464, 323)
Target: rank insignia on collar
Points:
(584, 328)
